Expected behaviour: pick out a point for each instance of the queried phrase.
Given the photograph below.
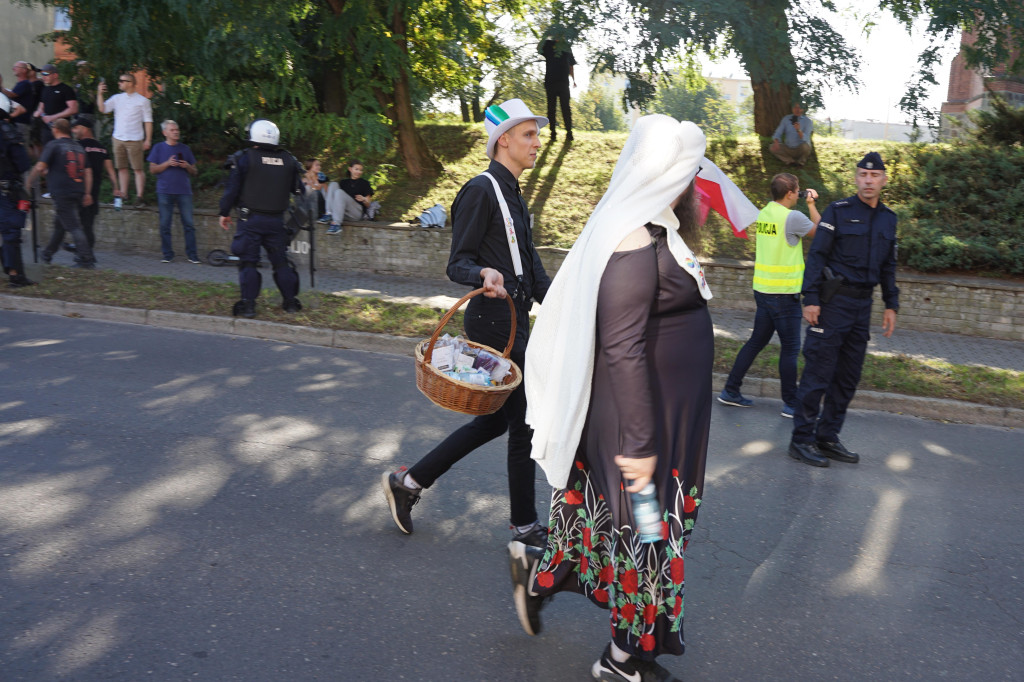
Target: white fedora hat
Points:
(500, 118)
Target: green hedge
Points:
(963, 209)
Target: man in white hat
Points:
(482, 255)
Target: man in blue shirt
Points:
(172, 163)
(791, 142)
(853, 250)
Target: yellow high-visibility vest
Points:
(778, 267)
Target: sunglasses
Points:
(123, 80)
(45, 73)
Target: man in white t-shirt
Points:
(133, 131)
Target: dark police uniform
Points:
(261, 183)
(858, 243)
(14, 162)
(478, 242)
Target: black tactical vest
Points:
(8, 137)
(268, 181)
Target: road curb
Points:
(928, 408)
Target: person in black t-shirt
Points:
(98, 160)
(69, 180)
(58, 101)
(349, 200)
(558, 69)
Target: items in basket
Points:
(463, 362)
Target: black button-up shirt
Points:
(479, 241)
(857, 242)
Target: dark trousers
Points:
(834, 356)
(11, 223)
(87, 214)
(66, 219)
(559, 91)
(267, 232)
(489, 324)
(775, 313)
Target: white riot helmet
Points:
(5, 103)
(263, 131)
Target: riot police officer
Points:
(14, 162)
(853, 250)
(262, 179)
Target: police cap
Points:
(872, 161)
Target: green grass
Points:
(896, 374)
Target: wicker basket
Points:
(456, 395)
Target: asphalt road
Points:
(186, 506)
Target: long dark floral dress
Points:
(651, 395)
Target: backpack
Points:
(435, 216)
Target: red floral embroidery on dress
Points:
(614, 568)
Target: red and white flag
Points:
(719, 193)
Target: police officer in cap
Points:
(853, 250)
(14, 162)
(263, 178)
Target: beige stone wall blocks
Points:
(973, 306)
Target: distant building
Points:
(967, 90)
(19, 27)
(877, 130)
(734, 90)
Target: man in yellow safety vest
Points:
(778, 275)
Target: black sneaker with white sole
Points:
(523, 560)
(537, 536)
(607, 669)
(400, 498)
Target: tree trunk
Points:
(333, 93)
(761, 37)
(464, 108)
(414, 151)
(771, 103)
(478, 112)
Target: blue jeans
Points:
(166, 203)
(775, 313)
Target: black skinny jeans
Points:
(488, 322)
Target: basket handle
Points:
(458, 304)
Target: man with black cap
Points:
(98, 160)
(505, 264)
(854, 250)
(57, 101)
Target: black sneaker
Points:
(523, 560)
(84, 265)
(400, 499)
(535, 537)
(607, 669)
(19, 281)
(46, 257)
(291, 305)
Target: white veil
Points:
(659, 161)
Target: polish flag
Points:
(718, 192)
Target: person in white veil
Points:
(619, 384)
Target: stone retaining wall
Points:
(969, 306)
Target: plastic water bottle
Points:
(118, 203)
(647, 513)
